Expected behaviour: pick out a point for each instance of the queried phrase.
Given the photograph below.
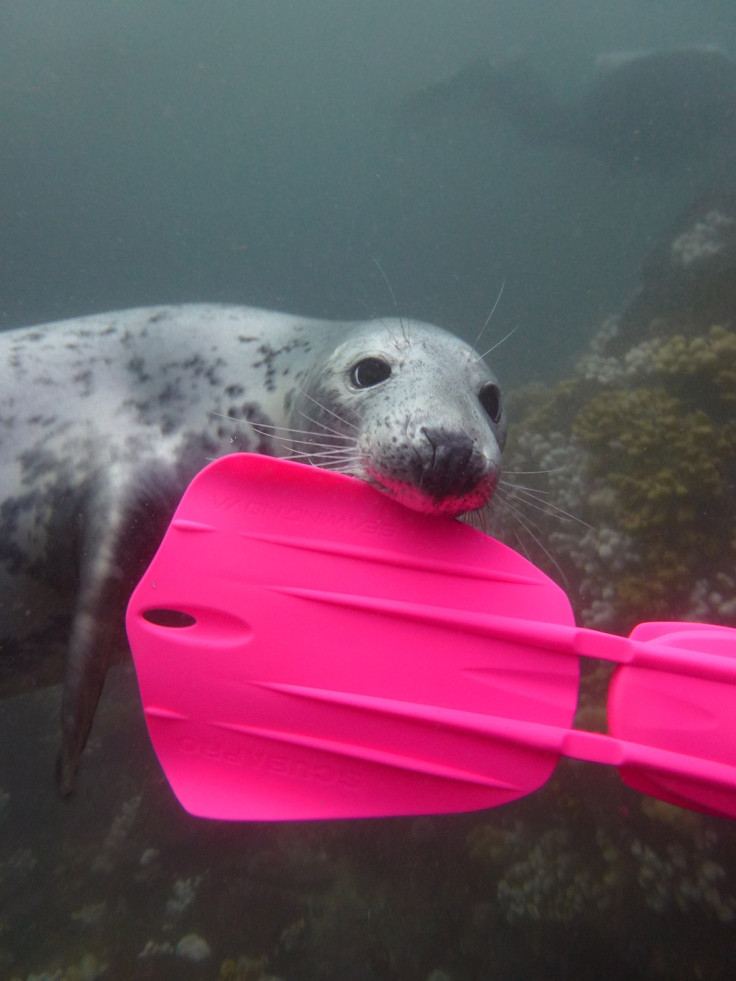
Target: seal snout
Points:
(450, 470)
(454, 474)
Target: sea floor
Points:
(583, 880)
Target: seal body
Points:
(105, 419)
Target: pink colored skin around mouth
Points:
(412, 497)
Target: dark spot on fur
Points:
(199, 367)
(137, 366)
(170, 393)
(85, 380)
(252, 412)
(140, 407)
(158, 317)
(269, 360)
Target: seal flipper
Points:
(96, 626)
(88, 659)
(125, 522)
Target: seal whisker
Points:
(537, 541)
(546, 507)
(490, 315)
(480, 519)
(348, 460)
(339, 452)
(529, 496)
(502, 341)
(288, 441)
(281, 440)
(388, 284)
(328, 430)
(336, 455)
(346, 465)
(348, 471)
(325, 427)
(402, 326)
(224, 415)
(262, 427)
(325, 448)
(329, 411)
(396, 336)
(522, 487)
(529, 473)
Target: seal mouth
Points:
(447, 473)
(420, 499)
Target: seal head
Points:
(409, 408)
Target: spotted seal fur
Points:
(105, 419)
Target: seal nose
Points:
(450, 470)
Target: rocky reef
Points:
(634, 466)
(637, 449)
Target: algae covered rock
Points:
(639, 445)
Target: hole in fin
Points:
(169, 618)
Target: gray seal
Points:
(105, 419)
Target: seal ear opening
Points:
(169, 618)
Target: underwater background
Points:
(251, 152)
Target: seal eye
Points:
(370, 372)
(490, 398)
